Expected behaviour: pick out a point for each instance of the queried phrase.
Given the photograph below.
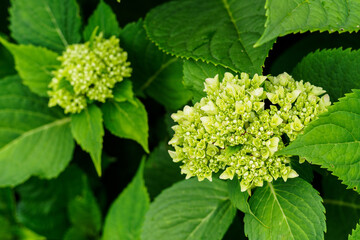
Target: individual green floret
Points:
(88, 72)
(241, 123)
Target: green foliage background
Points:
(105, 173)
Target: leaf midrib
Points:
(272, 190)
(34, 131)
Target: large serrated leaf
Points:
(290, 210)
(126, 215)
(32, 136)
(342, 205)
(154, 73)
(88, 131)
(190, 210)
(221, 32)
(49, 23)
(292, 16)
(103, 18)
(34, 65)
(334, 70)
(332, 141)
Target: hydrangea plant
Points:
(241, 124)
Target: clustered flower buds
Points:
(88, 72)
(240, 125)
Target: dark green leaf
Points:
(88, 131)
(304, 169)
(238, 198)
(34, 65)
(290, 210)
(334, 70)
(103, 18)
(7, 65)
(195, 73)
(342, 206)
(332, 141)
(32, 136)
(49, 23)
(190, 210)
(126, 215)
(127, 120)
(220, 32)
(160, 171)
(155, 73)
(292, 16)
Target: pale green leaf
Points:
(34, 65)
(126, 215)
(292, 16)
(154, 73)
(332, 141)
(88, 131)
(53, 24)
(342, 205)
(190, 210)
(127, 120)
(103, 18)
(160, 171)
(290, 210)
(123, 91)
(32, 136)
(220, 32)
(195, 73)
(335, 70)
(355, 235)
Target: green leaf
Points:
(220, 32)
(342, 206)
(292, 16)
(43, 205)
(123, 91)
(190, 210)
(291, 210)
(7, 66)
(103, 18)
(355, 235)
(155, 73)
(334, 70)
(53, 24)
(195, 73)
(126, 215)
(31, 135)
(74, 233)
(84, 212)
(304, 169)
(332, 141)
(238, 198)
(88, 131)
(127, 120)
(34, 65)
(160, 171)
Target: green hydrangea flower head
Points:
(240, 125)
(88, 72)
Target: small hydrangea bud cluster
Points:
(240, 125)
(88, 72)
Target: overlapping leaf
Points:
(126, 215)
(154, 73)
(35, 140)
(334, 70)
(190, 210)
(221, 32)
(49, 23)
(290, 210)
(333, 141)
(292, 16)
